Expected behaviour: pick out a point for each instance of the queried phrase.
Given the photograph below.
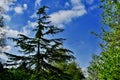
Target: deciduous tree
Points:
(109, 67)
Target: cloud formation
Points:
(10, 32)
(6, 48)
(32, 24)
(5, 4)
(25, 6)
(19, 9)
(7, 17)
(65, 16)
(27, 28)
(4, 7)
(37, 2)
(34, 15)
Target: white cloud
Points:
(6, 48)
(37, 2)
(5, 4)
(27, 28)
(7, 17)
(14, 33)
(32, 24)
(19, 9)
(34, 15)
(64, 16)
(25, 6)
(10, 32)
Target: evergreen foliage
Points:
(41, 52)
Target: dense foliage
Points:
(107, 65)
(20, 74)
(14, 74)
(93, 68)
(72, 69)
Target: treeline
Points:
(43, 57)
(106, 66)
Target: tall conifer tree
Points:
(42, 51)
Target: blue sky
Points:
(77, 17)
